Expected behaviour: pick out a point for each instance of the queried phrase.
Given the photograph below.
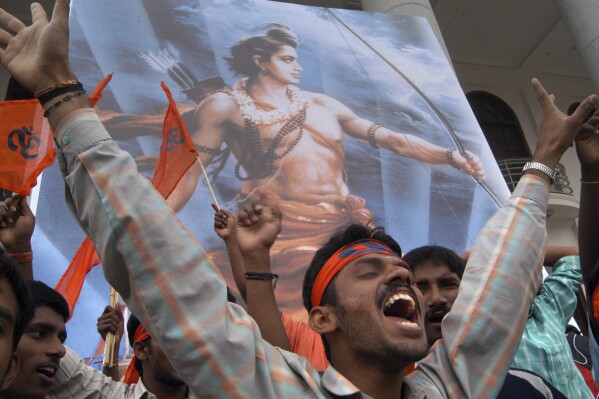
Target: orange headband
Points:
(341, 258)
(131, 375)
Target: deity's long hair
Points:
(274, 36)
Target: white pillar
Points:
(580, 17)
(420, 8)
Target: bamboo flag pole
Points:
(109, 347)
(208, 182)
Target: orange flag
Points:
(177, 152)
(97, 93)
(177, 155)
(71, 282)
(26, 146)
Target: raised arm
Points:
(482, 331)
(225, 226)
(111, 320)
(552, 254)
(406, 145)
(148, 257)
(16, 229)
(37, 55)
(556, 252)
(558, 293)
(587, 148)
(258, 225)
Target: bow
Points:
(458, 143)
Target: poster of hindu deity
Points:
(342, 116)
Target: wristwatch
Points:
(552, 174)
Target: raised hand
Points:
(111, 321)
(37, 55)
(224, 223)
(258, 225)
(16, 224)
(587, 147)
(556, 130)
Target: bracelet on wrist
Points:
(589, 182)
(53, 87)
(551, 174)
(46, 95)
(449, 158)
(21, 257)
(62, 101)
(262, 277)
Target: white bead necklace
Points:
(249, 110)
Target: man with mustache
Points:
(543, 350)
(438, 272)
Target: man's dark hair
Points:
(276, 36)
(9, 269)
(340, 239)
(437, 255)
(42, 295)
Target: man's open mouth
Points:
(402, 306)
(49, 370)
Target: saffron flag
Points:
(71, 282)
(26, 146)
(177, 152)
(97, 93)
(177, 155)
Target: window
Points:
(499, 125)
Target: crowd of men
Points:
(427, 324)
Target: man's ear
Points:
(323, 319)
(11, 373)
(140, 350)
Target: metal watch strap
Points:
(552, 174)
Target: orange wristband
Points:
(21, 257)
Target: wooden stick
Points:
(208, 182)
(110, 342)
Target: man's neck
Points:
(164, 391)
(371, 380)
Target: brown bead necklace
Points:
(261, 164)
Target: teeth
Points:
(402, 296)
(48, 370)
(408, 323)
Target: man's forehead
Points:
(376, 259)
(428, 269)
(45, 315)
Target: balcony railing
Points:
(511, 169)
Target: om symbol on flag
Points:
(28, 143)
(174, 137)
